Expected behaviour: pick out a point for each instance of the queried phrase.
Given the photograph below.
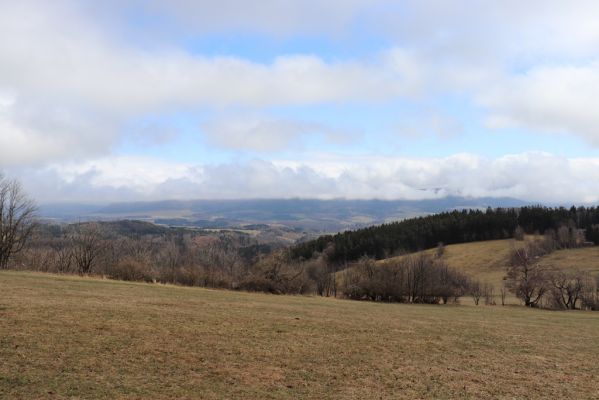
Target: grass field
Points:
(487, 261)
(67, 337)
(584, 259)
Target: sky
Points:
(146, 100)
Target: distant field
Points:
(487, 261)
(67, 337)
(584, 259)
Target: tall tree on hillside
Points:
(17, 219)
(526, 278)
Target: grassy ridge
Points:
(487, 261)
(67, 337)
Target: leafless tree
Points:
(419, 278)
(169, 259)
(503, 294)
(440, 251)
(519, 233)
(590, 294)
(63, 258)
(87, 247)
(526, 278)
(476, 291)
(318, 272)
(17, 219)
(489, 294)
(567, 288)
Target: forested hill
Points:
(448, 227)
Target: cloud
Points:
(268, 134)
(32, 133)
(72, 87)
(559, 99)
(73, 61)
(532, 176)
(76, 81)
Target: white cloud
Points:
(33, 133)
(80, 86)
(70, 83)
(530, 176)
(61, 57)
(558, 99)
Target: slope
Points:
(67, 337)
(487, 261)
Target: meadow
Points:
(66, 337)
(488, 261)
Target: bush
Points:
(412, 279)
(130, 269)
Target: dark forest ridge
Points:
(458, 226)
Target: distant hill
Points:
(302, 214)
(450, 227)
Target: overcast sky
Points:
(142, 100)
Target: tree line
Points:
(418, 278)
(538, 284)
(415, 234)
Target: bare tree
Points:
(476, 291)
(17, 219)
(318, 272)
(503, 294)
(489, 294)
(568, 287)
(87, 247)
(63, 258)
(440, 251)
(519, 233)
(169, 259)
(526, 278)
(590, 294)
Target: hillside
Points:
(458, 226)
(67, 337)
(487, 260)
(585, 259)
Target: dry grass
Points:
(66, 337)
(487, 261)
(584, 259)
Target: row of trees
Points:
(184, 257)
(538, 284)
(419, 278)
